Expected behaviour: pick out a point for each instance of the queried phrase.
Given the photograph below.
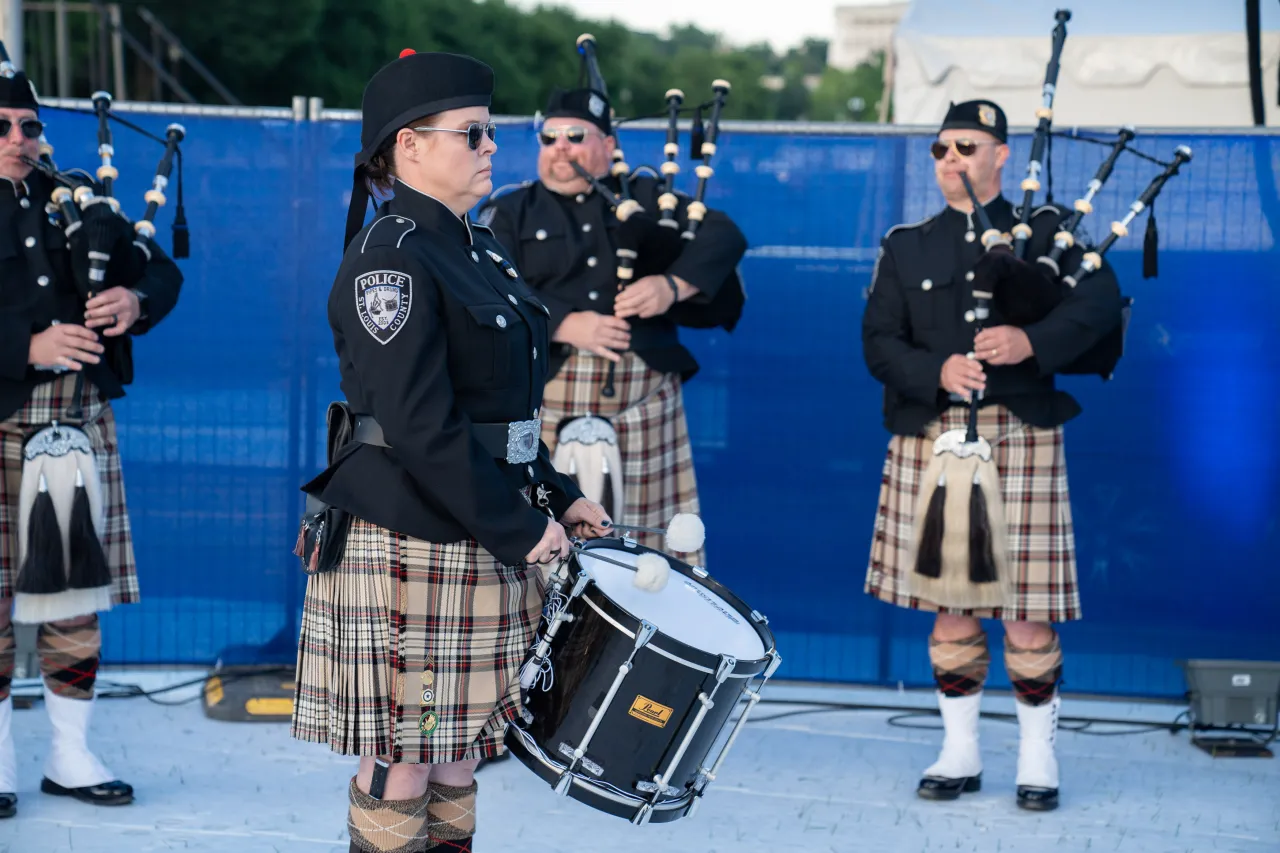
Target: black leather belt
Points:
(514, 441)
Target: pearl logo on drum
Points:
(650, 712)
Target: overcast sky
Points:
(782, 23)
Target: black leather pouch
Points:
(322, 533)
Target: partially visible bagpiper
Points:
(614, 411)
(79, 282)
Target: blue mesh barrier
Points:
(1174, 468)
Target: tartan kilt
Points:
(48, 401)
(648, 415)
(1033, 480)
(413, 649)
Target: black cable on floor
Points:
(133, 691)
(1074, 724)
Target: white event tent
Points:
(1146, 63)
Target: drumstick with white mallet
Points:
(652, 571)
(684, 534)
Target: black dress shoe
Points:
(115, 793)
(1037, 799)
(8, 805)
(937, 788)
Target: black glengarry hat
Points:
(411, 87)
(590, 105)
(977, 115)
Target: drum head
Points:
(684, 610)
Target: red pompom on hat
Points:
(408, 51)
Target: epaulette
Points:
(503, 190)
(387, 230)
(908, 225)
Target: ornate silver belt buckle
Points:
(522, 441)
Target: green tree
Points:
(849, 95)
(266, 51)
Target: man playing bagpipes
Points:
(614, 255)
(976, 523)
(75, 286)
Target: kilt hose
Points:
(48, 401)
(653, 437)
(1033, 478)
(412, 649)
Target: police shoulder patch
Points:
(383, 301)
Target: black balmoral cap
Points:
(418, 85)
(587, 104)
(977, 115)
(411, 87)
(16, 93)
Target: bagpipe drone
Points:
(650, 241)
(1025, 292)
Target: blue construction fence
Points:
(1175, 464)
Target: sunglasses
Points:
(963, 147)
(576, 135)
(474, 131)
(31, 127)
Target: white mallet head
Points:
(686, 533)
(652, 572)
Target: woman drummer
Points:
(410, 647)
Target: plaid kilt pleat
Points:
(653, 437)
(413, 649)
(48, 401)
(1033, 480)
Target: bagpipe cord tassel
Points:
(1150, 245)
(181, 234)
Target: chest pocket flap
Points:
(930, 293)
(548, 230)
(486, 358)
(537, 305)
(493, 316)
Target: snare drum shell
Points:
(648, 718)
(654, 708)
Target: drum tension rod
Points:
(707, 776)
(659, 784)
(643, 636)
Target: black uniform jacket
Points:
(564, 246)
(37, 288)
(919, 313)
(434, 333)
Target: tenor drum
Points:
(629, 693)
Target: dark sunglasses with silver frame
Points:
(963, 147)
(473, 132)
(31, 127)
(575, 134)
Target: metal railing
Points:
(109, 41)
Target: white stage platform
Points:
(833, 782)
